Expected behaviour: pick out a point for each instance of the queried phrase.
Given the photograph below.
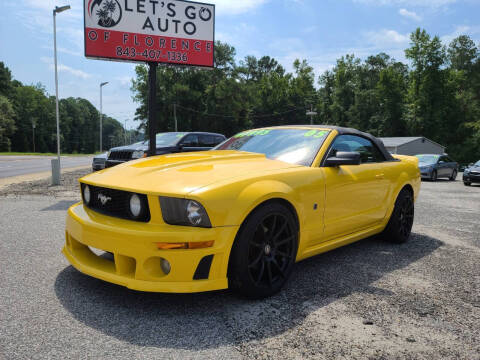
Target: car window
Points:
(293, 146)
(219, 139)
(206, 140)
(443, 159)
(369, 153)
(191, 140)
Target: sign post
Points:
(176, 32)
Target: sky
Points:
(320, 31)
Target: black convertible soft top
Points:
(350, 131)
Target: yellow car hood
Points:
(180, 174)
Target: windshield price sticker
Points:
(316, 133)
(175, 32)
(253, 133)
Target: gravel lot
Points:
(420, 300)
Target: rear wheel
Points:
(264, 252)
(399, 226)
(454, 175)
(434, 175)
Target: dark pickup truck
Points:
(167, 143)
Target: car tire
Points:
(466, 183)
(454, 176)
(263, 254)
(399, 226)
(434, 176)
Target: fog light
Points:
(165, 265)
(135, 205)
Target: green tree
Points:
(7, 123)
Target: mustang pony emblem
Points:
(104, 199)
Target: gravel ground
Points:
(68, 187)
(369, 300)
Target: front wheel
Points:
(264, 251)
(454, 176)
(434, 175)
(466, 183)
(399, 226)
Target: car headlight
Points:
(184, 212)
(466, 171)
(86, 194)
(138, 154)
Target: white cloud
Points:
(410, 14)
(235, 7)
(472, 31)
(386, 38)
(65, 68)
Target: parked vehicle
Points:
(241, 215)
(171, 142)
(434, 166)
(98, 162)
(472, 174)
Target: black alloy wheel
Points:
(399, 227)
(264, 252)
(434, 175)
(454, 175)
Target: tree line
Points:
(436, 95)
(28, 121)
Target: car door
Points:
(355, 195)
(443, 168)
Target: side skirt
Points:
(339, 242)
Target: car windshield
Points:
(428, 159)
(167, 139)
(477, 163)
(294, 146)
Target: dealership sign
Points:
(175, 32)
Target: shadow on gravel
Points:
(62, 205)
(211, 320)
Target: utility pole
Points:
(56, 163)
(33, 135)
(175, 115)
(101, 113)
(152, 108)
(125, 132)
(311, 113)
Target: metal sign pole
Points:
(152, 108)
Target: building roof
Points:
(399, 141)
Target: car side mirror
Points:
(343, 158)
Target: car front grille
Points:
(99, 161)
(474, 173)
(115, 203)
(120, 155)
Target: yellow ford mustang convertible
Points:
(241, 215)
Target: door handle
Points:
(380, 176)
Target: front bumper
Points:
(136, 258)
(112, 163)
(472, 178)
(426, 173)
